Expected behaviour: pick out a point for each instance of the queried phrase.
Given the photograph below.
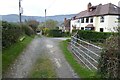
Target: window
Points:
(119, 17)
(82, 28)
(82, 20)
(78, 21)
(87, 20)
(101, 29)
(102, 19)
(91, 20)
(87, 28)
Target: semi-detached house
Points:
(100, 18)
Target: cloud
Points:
(54, 7)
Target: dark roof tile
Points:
(100, 10)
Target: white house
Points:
(101, 18)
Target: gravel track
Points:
(39, 46)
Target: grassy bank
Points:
(79, 69)
(0, 65)
(11, 53)
(43, 68)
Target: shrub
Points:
(10, 33)
(66, 34)
(27, 30)
(109, 61)
(94, 36)
(55, 33)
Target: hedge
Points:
(56, 33)
(27, 30)
(94, 36)
(11, 32)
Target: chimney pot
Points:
(89, 6)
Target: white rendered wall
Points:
(110, 21)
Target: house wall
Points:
(110, 21)
(96, 21)
(108, 24)
(74, 23)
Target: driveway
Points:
(50, 46)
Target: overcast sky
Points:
(54, 7)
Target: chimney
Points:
(74, 18)
(89, 6)
(65, 19)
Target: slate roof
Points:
(106, 9)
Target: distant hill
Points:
(15, 17)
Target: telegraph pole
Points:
(45, 18)
(20, 11)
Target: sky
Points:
(53, 7)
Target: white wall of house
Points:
(96, 22)
(108, 24)
(110, 21)
(74, 23)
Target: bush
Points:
(94, 36)
(66, 34)
(109, 62)
(27, 30)
(56, 33)
(10, 33)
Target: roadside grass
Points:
(43, 69)
(0, 64)
(81, 71)
(10, 54)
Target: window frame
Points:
(91, 20)
(102, 19)
(101, 29)
(87, 20)
(82, 20)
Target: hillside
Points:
(15, 17)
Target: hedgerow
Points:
(94, 36)
(12, 31)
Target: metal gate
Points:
(86, 52)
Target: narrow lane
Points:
(63, 69)
(27, 59)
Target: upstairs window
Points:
(78, 21)
(82, 20)
(91, 20)
(102, 19)
(119, 18)
(87, 20)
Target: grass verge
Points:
(11, 53)
(0, 64)
(42, 69)
(81, 71)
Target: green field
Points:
(81, 71)
(10, 54)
